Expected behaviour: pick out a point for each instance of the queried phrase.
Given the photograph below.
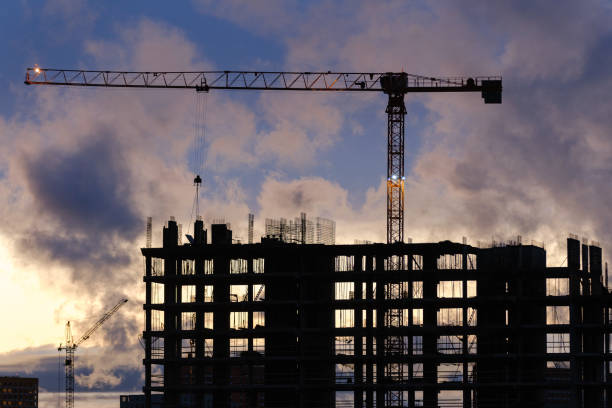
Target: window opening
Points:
(344, 318)
(345, 291)
(239, 293)
(187, 267)
(259, 319)
(259, 292)
(208, 266)
(344, 345)
(450, 261)
(238, 346)
(344, 263)
(258, 265)
(238, 266)
(238, 320)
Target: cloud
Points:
(316, 195)
(118, 361)
(565, 35)
(81, 170)
(319, 197)
(85, 188)
(302, 125)
(277, 14)
(46, 364)
(536, 165)
(148, 46)
(70, 16)
(80, 173)
(92, 165)
(230, 131)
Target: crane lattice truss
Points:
(70, 347)
(394, 84)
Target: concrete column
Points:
(220, 338)
(358, 339)
(147, 338)
(573, 268)
(430, 320)
(171, 374)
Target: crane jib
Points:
(261, 81)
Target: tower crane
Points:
(394, 84)
(70, 346)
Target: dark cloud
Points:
(95, 250)
(298, 199)
(46, 370)
(87, 190)
(118, 364)
(468, 177)
(85, 194)
(46, 364)
(121, 334)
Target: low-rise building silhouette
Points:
(18, 392)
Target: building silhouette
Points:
(277, 324)
(138, 400)
(18, 392)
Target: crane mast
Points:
(70, 346)
(394, 85)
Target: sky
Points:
(81, 169)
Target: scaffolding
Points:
(301, 230)
(326, 231)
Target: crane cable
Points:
(198, 157)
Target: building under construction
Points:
(277, 324)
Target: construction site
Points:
(296, 320)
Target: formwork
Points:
(276, 324)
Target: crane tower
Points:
(70, 346)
